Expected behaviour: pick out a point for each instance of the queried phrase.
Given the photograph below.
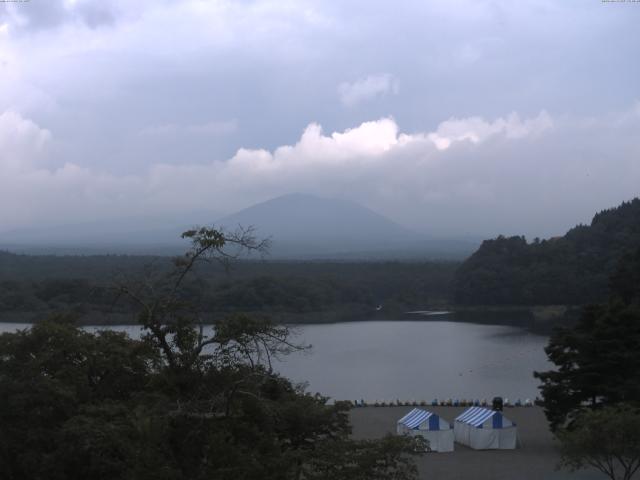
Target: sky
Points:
(452, 117)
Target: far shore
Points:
(536, 319)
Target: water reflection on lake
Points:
(385, 360)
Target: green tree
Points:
(57, 380)
(383, 459)
(607, 439)
(597, 360)
(178, 404)
(568, 270)
(625, 282)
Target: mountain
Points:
(573, 269)
(300, 227)
(306, 226)
(300, 223)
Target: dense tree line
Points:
(592, 397)
(573, 269)
(175, 404)
(598, 358)
(296, 290)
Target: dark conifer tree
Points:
(597, 360)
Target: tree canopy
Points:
(607, 440)
(176, 404)
(569, 270)
(292, 291)
(597, 360)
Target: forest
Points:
(175, 404)
(572, 270)
(33, 286)
(569, 270)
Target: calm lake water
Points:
(418, 360)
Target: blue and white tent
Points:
(483, 429)
(429, 426)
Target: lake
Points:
(411, 360)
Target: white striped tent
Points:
(428, 425)
(484, 429)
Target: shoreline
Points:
(513, 315)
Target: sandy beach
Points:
(536, 458)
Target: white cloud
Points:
(21, 142)
(476, 129)
(368, 88)
(470, 175)
(275, 64)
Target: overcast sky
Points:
(452, 117)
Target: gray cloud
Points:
(139, 114)
(469, 175)
(37, 15)
(367, 88)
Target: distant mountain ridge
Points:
(300, 226)
(573, 269)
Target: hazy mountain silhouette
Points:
(305, 224)
(300, 226)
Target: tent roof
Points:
(415, 417)
(475, 416)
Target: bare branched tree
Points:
(164, 313)
(207, 370)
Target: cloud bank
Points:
(537, 175)
(124, 66)
(446, 116)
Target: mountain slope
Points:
(305, 224)
(573, 269)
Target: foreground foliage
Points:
(592, 399)
(176, 404)
(607, 440)
(597, 360)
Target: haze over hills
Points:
(300, 226)
(306, 226)
(149, 235)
